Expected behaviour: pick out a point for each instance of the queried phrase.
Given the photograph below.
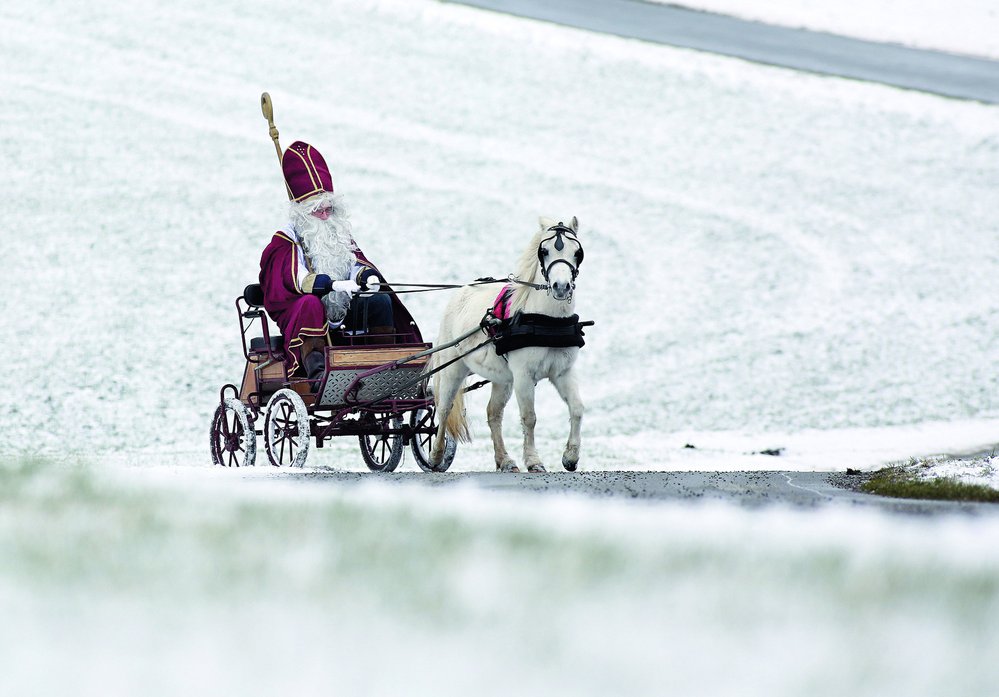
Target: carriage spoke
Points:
(424, 424)
(381, 448)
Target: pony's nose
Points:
(560, 289)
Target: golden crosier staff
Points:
(268, 110)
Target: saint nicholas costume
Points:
(293, 292)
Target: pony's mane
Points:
(527, 270)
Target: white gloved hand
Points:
(373, 283)
(347, 286)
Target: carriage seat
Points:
(277, 344)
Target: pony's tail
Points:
(456, 424)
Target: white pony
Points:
(549, 266)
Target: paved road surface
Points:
(946, 74)
(751, 489)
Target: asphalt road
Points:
(946, 74)
(750, 489)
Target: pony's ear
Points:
(545, 222)
(574, 224)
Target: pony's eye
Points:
(544, 252)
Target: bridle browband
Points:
(559, 231)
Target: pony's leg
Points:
(523, 387)
(568, 390)
(494, 415)
(450, 382)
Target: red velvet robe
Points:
(301, 315)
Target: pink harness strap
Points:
(501, 306)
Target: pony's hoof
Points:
(536, 468)
(569, 464)
(507, 467)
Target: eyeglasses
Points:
(323, 213)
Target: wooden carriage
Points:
(378, 393)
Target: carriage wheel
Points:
(234, 443)
(422, 443)
(287, 429)
(382, 452)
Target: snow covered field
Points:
(959, 26)
(773, 260)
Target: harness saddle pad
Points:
(523, 330)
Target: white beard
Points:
(329, 247)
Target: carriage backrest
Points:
(253, 294)
(250, 306)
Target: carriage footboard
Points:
(364, 376)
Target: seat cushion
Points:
(277, 344)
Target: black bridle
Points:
(559, 231)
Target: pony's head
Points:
(559, 256)
(552, 258)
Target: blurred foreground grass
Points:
(154, 570)
(65, 524)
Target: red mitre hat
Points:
(305, 171)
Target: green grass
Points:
(899, 482)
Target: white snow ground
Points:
(773, 260)
(958, 26)
(982, 470)
(769, 254)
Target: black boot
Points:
(315, 368)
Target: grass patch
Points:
(899, 482)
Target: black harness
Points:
(527, 329)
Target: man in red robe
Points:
(312, 272)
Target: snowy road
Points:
(750, 489)
(950, 75)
